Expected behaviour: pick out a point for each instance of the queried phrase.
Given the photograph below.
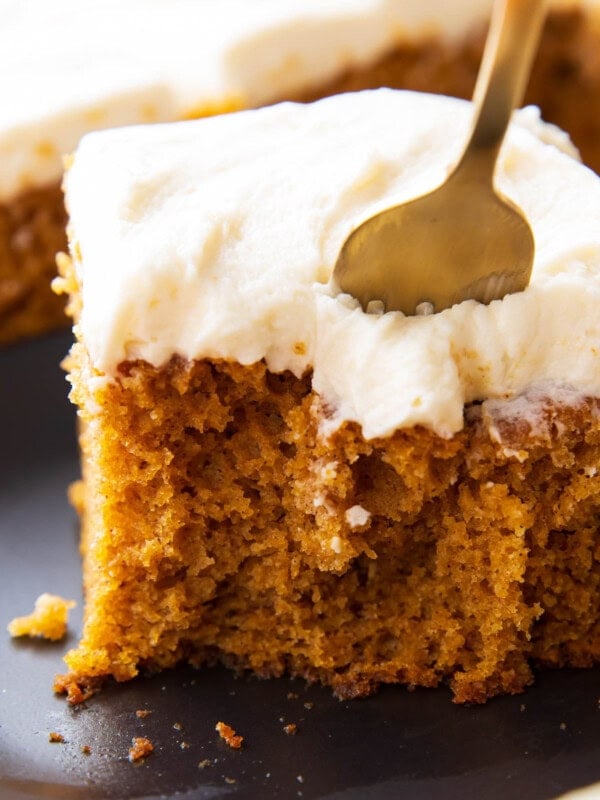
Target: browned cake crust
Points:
(215, 529)
(565, 83)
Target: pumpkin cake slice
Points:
(277, 480)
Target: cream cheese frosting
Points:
(217, 238)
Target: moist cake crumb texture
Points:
(481, 556)
(32, 231)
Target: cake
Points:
(102, 63)
(277, 480)
(48, 619)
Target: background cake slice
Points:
(76, 67)
(273, 478)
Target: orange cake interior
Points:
(232, 542)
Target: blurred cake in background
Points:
(71, 67)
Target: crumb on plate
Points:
(48, 619)
(227, 733)
(141, 747)
(77, 691)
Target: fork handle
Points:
(510, 47)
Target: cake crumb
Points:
(230, 780)
(300, 778)
(184, 745)
(142, 713)
(206, 762)
(308, 705)
(292, 696)
(523, 707)
(86, 749)
(227, 733)
(141, 747)
(290, 729)
(178, 726)
(48, 619)
(77, 691)
(56, 738)
(76, 490)
(563, 726)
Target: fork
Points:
(464, 239)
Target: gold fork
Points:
(463, 240)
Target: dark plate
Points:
(396, 744)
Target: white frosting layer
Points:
(72, 66)
(217, 238)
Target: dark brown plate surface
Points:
(396, 744)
